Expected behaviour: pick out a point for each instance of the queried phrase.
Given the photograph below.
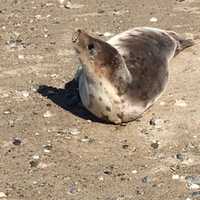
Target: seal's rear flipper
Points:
(182, 42)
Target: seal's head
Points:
(96, 56)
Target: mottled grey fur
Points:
(137, 70)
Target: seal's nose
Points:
(75, 37)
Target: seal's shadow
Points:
(67, 98)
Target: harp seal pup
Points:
(121, 78)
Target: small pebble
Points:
(100, 11)
(139, 192)
(69, 5)
(188, 161)
(36, 157)
(35, 160)
(17, 141)
(99, 33)
(156, 122)
(45, 30)
(107, 172)
(47, 114)
(46, 151)
(153, 19)
(73, 189)
(35, 87)
(47, 148)
(162, 103)
(125, 146)
(145, 131)
(24, 93)
(34, 163)
(180, 157)
(3, 195)
(21, 57)
(146, 179)
(42, 165)
(101, 178)
(108, 34)
(38, 17)
(11, 123)
(62, 1)
(134, 171)
(74, 131)
(6, 112)
(54, 75)
(175, 177)
(180, 103)
(87, 139)
(49, 4)
(155, 145)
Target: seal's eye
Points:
(90, 46)
(91, 49)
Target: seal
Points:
(121, 78)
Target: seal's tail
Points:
(182, 42)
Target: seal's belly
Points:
(101, 99)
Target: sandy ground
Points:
(51, 151)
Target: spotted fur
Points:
(124, 76)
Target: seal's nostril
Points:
(75, 36)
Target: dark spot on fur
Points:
(138, 86)
(138, 58)
(108, 109)
(133, 60)
(120, 78)
(120, 115)
(143, 60)
(119, 92)
(100, 83)
(116, 102)
(100, 99)
(105, 117)
(123, 100)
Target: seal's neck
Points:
(121, 78)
